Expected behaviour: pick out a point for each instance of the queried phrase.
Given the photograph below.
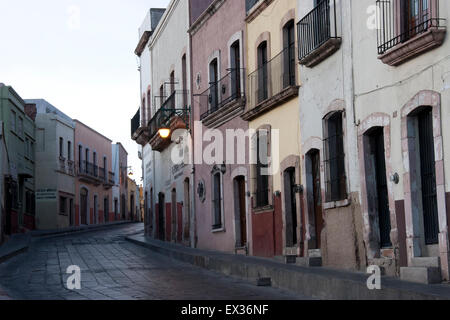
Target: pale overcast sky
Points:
(79, 56)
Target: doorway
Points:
(241, 212)
(132, 207)
(377, 188)
(290, 206)
(314, 199)
(174, 216)
(95, 210)
(187, 211)
(161, 220)
(83, 205)
(106, 209)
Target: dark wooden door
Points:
(83, 206)
(162, 204)
(317, 192)
(428, 177)
(384, 216)
(8, 207)
(242, 211)
(106, 209)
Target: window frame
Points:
(217, 226)
(338, 158)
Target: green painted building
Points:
(20, 140)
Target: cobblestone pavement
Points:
(114, 269)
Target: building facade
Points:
(168, 172)
(218, 94)
(272, 111)
(401, 94)
(120, 188)
(19, 131)
(94, 177)
(139, 124)
(328, 135)
(4, 172)
(55, 167)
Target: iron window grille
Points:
(334, 158)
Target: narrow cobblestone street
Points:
(112, 268)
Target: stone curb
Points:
(320, 283)
(68, 231)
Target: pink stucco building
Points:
(94, 178)
(218, 64)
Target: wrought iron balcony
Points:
(173, 114)
(272, 84)
(408, 28)
(318, 34)
(223, 100)
(136, 122)
(88, 172)
(139, 132)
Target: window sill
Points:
(336, 204)
(266, 209)
(416, 46)
(220, 230)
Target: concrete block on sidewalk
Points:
(425, 275)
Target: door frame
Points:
(292, 161)
(372, 244)
(431, 99)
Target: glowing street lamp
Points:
(164, 133)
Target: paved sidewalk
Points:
(19, 243)
(320, 283)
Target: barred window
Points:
(334, 158)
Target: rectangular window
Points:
(32, 150)
(217, 201)
(334, 159)
(69, 150)
(262, 177)
(80, 158)
(61, 146)
(289, 54)
(20, 127)
(263, 92)
(13, 121)
(63, 205)
(27, 148)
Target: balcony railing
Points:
(272, 78)
(221, 93)
(173, 106)
(70, 167)
(88, 171)
(136, 122)
(318, 29)
(62, 164)
(400, 21)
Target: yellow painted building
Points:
(273, 113)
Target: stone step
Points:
(309, 261)
(426, 275)
(432, 262)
